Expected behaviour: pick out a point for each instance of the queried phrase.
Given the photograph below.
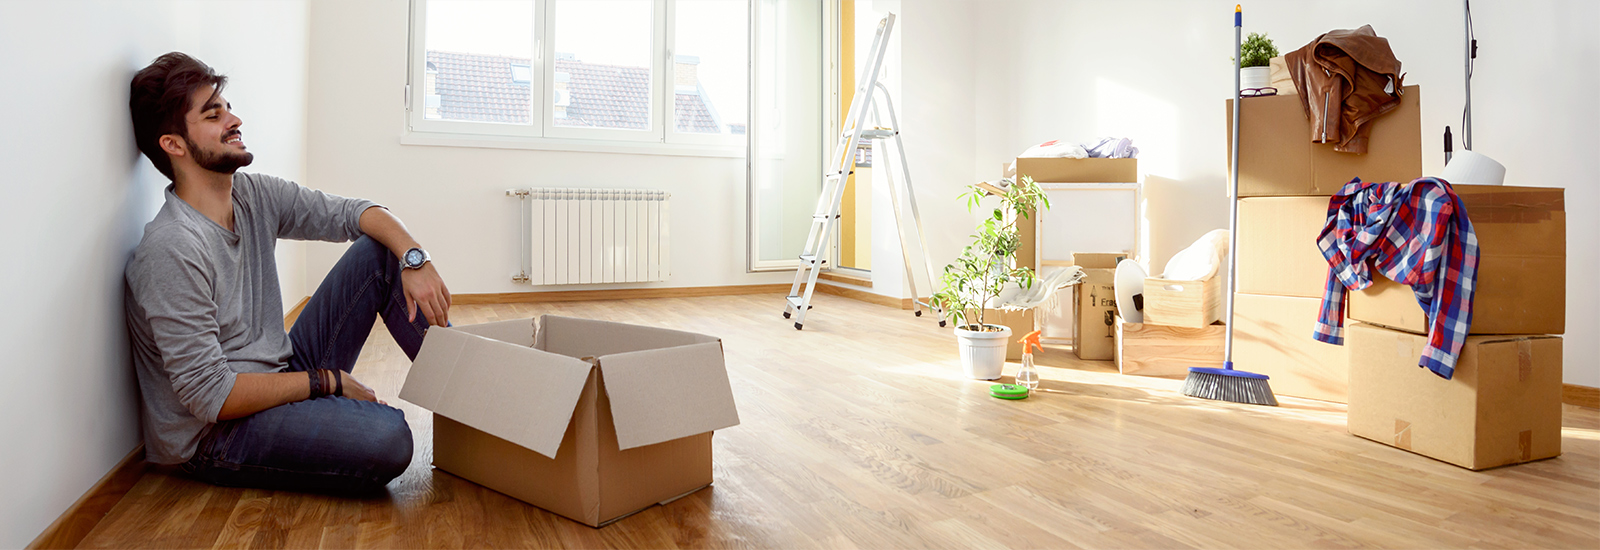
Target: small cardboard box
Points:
(1094, 307)
(1192, 304)
(1501, 406)
(1278, 254)
(592, 420)
(1272, 336)
(1277, 157)
(1160, 350)
(1522, 267)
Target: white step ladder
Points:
(840, 167)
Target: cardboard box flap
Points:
(519, 331)
(515, 393)
(662, 395)
(580, 338)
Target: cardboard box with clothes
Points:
(1277, 159)
(1521, 270)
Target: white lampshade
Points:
(1469, 168)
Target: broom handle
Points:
(1233, 197)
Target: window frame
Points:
(541, 132)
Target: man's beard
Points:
(226, 162)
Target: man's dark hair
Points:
(159, 102)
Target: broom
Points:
(1227, 384)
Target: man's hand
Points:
(423, 287)
(354, 389)
(425, 290)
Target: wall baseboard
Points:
(294, 313)
(863, 296)
(1582, 396)
(81, 518)
(617, 294)
(839, 277)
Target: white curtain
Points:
(785, 131)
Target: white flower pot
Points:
(983, 354)
(1255, 77)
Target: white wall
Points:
(929, 70)
(452, 198)
(73, 202)
(1158, 71)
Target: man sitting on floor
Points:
(226, 393)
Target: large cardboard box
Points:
(1094, 307)
(592, 420)
(1277, 157)
(1278, 252)
(1064, 170)
(1160, 350)
(1501, 406)
(1272, 336)
(1522, 267)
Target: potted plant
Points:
(985, 269)
(1254, 57)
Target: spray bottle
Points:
(1029, 377)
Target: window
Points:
(555, 73)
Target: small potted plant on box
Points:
(1254, 57)
(982, 271)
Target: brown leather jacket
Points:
(1342, 77)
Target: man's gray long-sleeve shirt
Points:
(203, 302)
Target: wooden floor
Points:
(860, 432)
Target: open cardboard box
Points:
(592, 420)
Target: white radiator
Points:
(589, 236)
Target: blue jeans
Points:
(328, 444)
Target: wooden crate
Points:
(1191, 304)
(1160, 350)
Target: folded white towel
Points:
(1201, 260)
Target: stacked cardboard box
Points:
(1284, 185)
(1503, 403)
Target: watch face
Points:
(414, 257)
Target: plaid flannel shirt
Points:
(1415, 234)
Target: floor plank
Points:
(859, 432)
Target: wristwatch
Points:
(414, 259)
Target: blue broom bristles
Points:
(1229, 385)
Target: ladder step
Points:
(879, 133)
(823, 217)
(797, 301)
(809, 258)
